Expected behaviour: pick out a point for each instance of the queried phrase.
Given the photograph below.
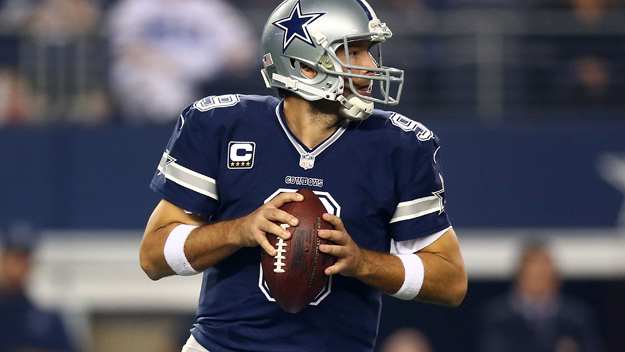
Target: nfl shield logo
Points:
(307, 161)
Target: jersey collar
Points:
(307, 156)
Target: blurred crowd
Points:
(97, 62)
(24, 325)
(89, 61)
(535, 315)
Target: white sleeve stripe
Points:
(188, 178)
(416, 208)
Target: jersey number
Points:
(218, 101)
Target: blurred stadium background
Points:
(528, 98)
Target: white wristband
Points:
(174, 250)
(413, 277)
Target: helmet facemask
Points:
(385, 76)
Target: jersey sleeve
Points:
(421, 208)
(187, 173)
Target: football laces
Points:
(280, 250)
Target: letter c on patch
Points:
(237, 155)
(241, 155)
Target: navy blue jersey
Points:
(230, 154)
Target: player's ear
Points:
(308, 71)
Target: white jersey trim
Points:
(187, 178)
(193, 346)
(416, 208)
(412, 246)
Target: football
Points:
(295, 276)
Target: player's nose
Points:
(368, 62)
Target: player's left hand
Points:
(350, 255)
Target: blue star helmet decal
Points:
(296, 26)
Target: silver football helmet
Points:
(309, 32)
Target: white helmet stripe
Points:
(368, 9)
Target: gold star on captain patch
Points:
(232, 163)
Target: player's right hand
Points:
(252, 230)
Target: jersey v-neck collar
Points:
(307, 155)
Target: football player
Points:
(234, 160)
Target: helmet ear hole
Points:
(308, 71)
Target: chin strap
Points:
(355, 108)
(352, 107)
(294, 85)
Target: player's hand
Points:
(350, 255)
(252, 230)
